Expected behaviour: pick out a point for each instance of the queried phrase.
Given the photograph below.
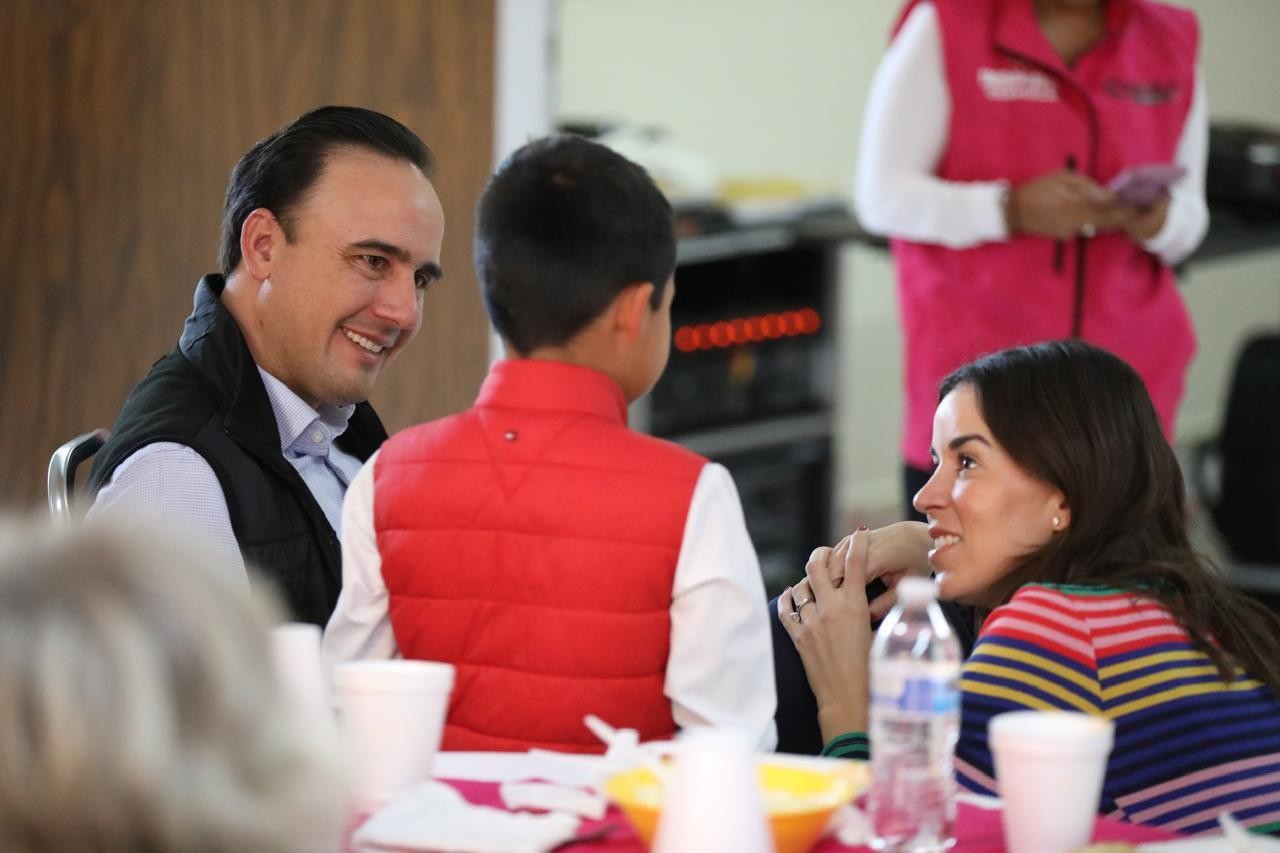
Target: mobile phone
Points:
(1142, 185)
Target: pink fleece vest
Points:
(1017, 112)
(532, 541)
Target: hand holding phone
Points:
(1142, 185)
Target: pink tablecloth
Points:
(977, 830)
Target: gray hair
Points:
(138, 706)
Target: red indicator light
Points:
(810, 322)
(743, 330)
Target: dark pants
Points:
(797, 714)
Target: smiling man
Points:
(254, 424)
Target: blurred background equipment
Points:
(1244, 168)
(751, 380)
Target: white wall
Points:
(522, 73)
(777, 87)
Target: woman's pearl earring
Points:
(1057, 522)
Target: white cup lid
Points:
(401, 676)
(1051, 731)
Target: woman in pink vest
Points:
(992, 130)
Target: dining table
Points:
(478, 777)
(978, 828)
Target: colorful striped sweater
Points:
(1187, 746)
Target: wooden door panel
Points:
(124, 120)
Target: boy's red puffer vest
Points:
(1018, 112)
(532, 541)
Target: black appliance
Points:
(1244, 168)
(750, 382)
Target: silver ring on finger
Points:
(795, 615)
(801, 602)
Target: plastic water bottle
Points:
(915, 718)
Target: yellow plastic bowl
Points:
(798, 799)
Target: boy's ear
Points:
(631, 309)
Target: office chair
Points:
(62, 470)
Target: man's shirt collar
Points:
(303, 429)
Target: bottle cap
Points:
(914, 590)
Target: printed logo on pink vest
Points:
(1016, 84)
(1147, 94)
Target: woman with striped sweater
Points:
(1057, 505)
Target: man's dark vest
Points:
(208, 395)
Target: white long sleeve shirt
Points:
(904, 136)
(720, 664)
(176, 482)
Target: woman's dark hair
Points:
(277, 172)
(563, 226)
(1078, 418)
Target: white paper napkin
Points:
(434, 816)
(547, 796)
(851, 826)
(561, 767)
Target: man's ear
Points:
(260, 237)
(632, 308)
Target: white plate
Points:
(562, 767)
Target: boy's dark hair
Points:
(278, 171)
(563, 226)
(1079, 419)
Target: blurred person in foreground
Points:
(138, 706)
(252, 426)
(1057, 506)
(564, 563)
(991, 132)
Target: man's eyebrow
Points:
(961, 440)
(397, 252)
(400, 254)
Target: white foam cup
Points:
(1050, 767)
(295, 653)
(392, 716)
(713, 800)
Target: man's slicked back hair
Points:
(562, 228)
(278, 171)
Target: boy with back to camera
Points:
(563, 563)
